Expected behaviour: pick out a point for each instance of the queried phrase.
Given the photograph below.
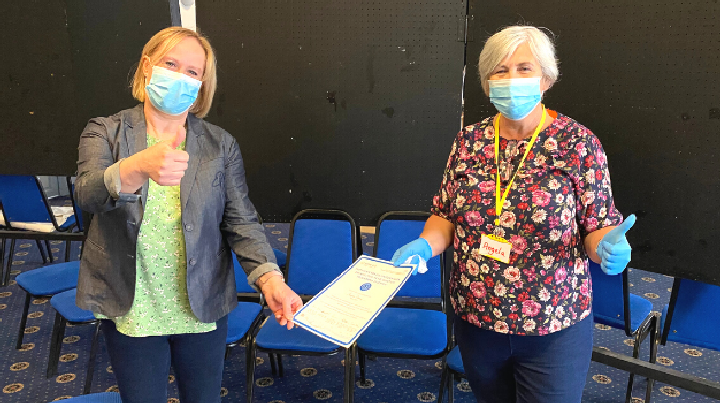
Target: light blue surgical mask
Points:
(172, 92)
(515, 98)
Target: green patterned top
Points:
(161, 305)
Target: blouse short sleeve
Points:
(442, 199)
(595, 204)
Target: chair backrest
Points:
(692, 316)
(610, 303)
(241, 280)
(395, 229)
(322, 244)
(24, 200)
(76, 208)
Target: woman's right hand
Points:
(163, 163)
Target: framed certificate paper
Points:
(350, 303)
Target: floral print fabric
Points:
(161, 305)
(561, 194)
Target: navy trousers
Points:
(141, 364)
(503, 368)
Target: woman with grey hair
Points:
(525, 200)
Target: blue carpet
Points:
(307, 379)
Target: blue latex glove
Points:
(419, 247)
(614, 249)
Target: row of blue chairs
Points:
(322, 244)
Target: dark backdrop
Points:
(338, 103)
(644, 76)
(63, 63)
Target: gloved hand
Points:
(419, 247)
(614, 249)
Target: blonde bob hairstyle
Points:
(163, 42)
(504, 43)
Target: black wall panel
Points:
(340, 104)
(37, 101)
(643, 76)
(65, 62)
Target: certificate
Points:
(349, 304)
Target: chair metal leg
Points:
(280, 367)
(353, 353)
(451, 389)
(271, 357)
(49, 250)
(631, 378)
(443, 380)
(228, 349)
(361, 362)
(653, 357)
(23, 320)
(55, 345)
(250, 368)
(42, 250)
(68, 245)
(91, 360)
(2, 259)
(349, 378)
(6, 278)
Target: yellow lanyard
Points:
(500, 200)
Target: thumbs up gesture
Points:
(163, 163)
(614, 249)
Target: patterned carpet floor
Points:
(307, 379)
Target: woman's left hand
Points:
(281, 300)
(614, 249)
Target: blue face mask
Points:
(171, 92)
(515, 98)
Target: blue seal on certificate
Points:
(365, 287)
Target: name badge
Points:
(495, 247)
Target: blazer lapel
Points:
(193, 147)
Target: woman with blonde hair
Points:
(170, 204)
(525, 200)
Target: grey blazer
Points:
(217, 216)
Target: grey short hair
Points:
(505, 42)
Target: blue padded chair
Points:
(248, 313)
(614, 306)
(452, 369)
(690, 317)
(414, 325)
(68, 312)
(687, 318)
(244, 320)
(322, 244)
(24, 201)
(45, 281)
(105, 397)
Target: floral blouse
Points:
(561, 194)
